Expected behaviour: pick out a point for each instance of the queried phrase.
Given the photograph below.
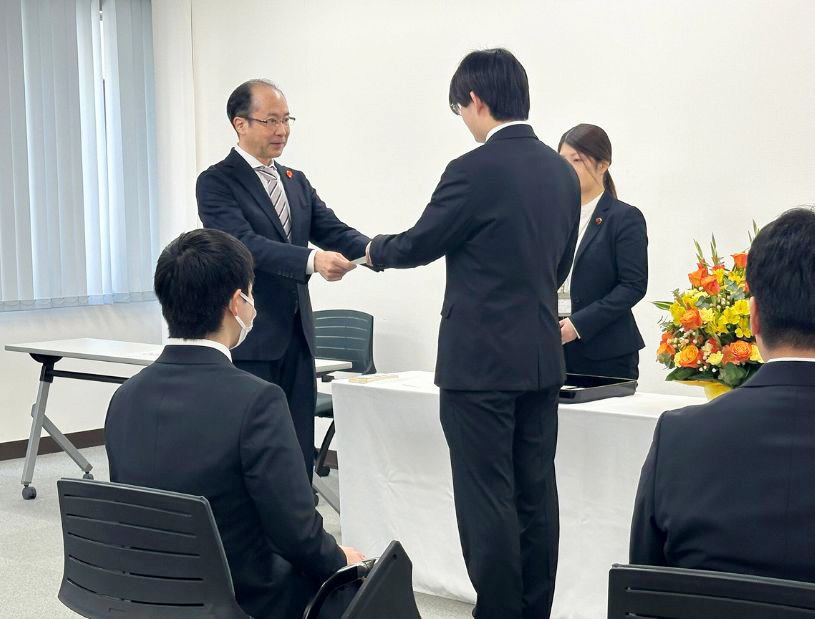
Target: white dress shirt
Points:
(509, 123)
(177, 341)
(254, 163)
(810, 359)
(586, 211)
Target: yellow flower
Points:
(676, 312)
(742, 307)
(691, 296)
(755, 354)
(719, 273)
(743, 330)
(715, 358)
(708, 315)
(730, 316)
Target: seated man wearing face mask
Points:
(194, 423)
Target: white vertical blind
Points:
(79, 220)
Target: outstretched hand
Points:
(332, 265)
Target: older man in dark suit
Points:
(728, 485)
(192, 422)
(505, 218)
(275, 212)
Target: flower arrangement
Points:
(707, 336)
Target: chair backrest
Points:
(139, 552)
(675, 593)
(346, 335)
(388, 589)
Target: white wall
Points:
(709, 106)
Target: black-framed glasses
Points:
(274, 122)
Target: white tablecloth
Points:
(395, 483)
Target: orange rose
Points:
(691, 319)
(740, 260)
(689, 357)
(710, 284)
(664, 347)
(737, 352)
(696, 277)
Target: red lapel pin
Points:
(288, 173)
(598, 221)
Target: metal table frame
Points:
(40, 420)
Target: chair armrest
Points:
(342, 577)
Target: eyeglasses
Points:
(456, 107)
(274, 122)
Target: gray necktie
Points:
(278, 198)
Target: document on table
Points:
(372, 378)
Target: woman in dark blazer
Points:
(610, 271)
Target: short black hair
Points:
(196, 275)
(781, 276)
(499, 80)
(239, 104)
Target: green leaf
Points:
(663, 305)
(733, 374)
(682, 374)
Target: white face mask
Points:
(245, 329)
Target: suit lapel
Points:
(247, 177)
(599, 214)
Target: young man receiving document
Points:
(505, 216)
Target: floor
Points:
(31, 542)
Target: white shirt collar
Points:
(510, 123)
(590, 206)
(810, 359)
(251, 159)
(177, 341)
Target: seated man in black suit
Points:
(192, 422)
(728, 486)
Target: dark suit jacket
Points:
(192, 422)
(609, 277)
(730, 485)
(505, 217)
(232, 198)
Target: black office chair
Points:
(344, 335)
(139, 552)
(384, 588)
(674, 593)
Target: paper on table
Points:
(370, 378)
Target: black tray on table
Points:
(584, 388)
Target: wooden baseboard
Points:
(86, 438)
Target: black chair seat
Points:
(647, 591)
(325, 405)
(344, 335)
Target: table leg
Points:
(38, 417)
(67, 446)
